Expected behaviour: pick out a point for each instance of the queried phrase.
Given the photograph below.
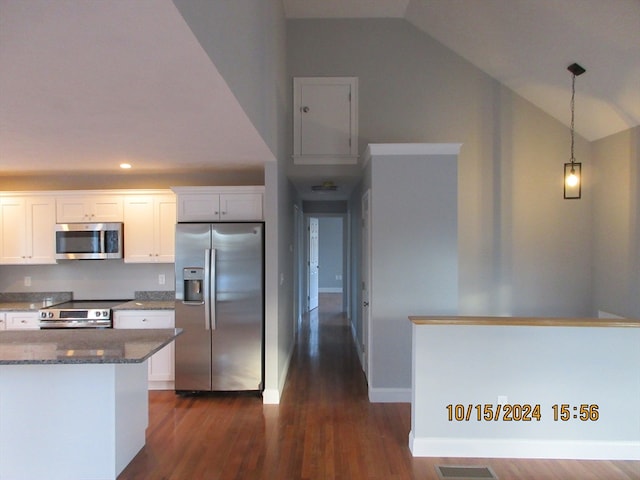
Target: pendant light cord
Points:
(573, 101)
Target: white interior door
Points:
(366, 279)
(313, 263)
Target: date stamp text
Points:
(516, 412)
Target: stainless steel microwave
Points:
(89, 241)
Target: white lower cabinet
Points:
(161, 364)
(20, 321)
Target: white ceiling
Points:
(85, 85)
(527, 45)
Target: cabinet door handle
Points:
(305, 109)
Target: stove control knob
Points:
(43, 314)
(105, 313)
(50, 315)
(97, 313)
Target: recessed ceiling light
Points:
(125, 166)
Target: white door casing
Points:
(312, 296)
(366, 280)
(298, 268)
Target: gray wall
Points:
(244, 39)
(83, 181)
(414, 265)
(108, 279)
(523, 250)
(616, 217)
(330, 254)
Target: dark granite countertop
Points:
(25, 302)
(71, 346)
(145, 300)
(19, 306)
(146, 305)
(31, 301)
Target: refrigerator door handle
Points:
(213, 294)
(207, 289)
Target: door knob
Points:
(305, 109)
(365, 304)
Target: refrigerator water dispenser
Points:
(193, 284)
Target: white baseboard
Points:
(271, 396)
(158, 385)
(516, 448)
(390, 395)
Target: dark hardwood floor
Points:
(324, 428)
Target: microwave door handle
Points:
(102, 239)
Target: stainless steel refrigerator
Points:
(220, 307)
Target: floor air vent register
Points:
(450, 472)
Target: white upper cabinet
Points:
(325, 120)
(220, 204)
(27, 230)
(86, 207)
(149, 228)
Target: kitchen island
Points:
(525, 388)
(74, 403)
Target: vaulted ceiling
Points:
(87, 85)
(527, 45)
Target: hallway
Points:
(324, 428)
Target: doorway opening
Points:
(324, 274)
(326, 262)
(322, 263)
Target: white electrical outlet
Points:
(27, 281)
(161, 279)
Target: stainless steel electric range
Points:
(79, 314)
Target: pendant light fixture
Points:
(573, 169)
